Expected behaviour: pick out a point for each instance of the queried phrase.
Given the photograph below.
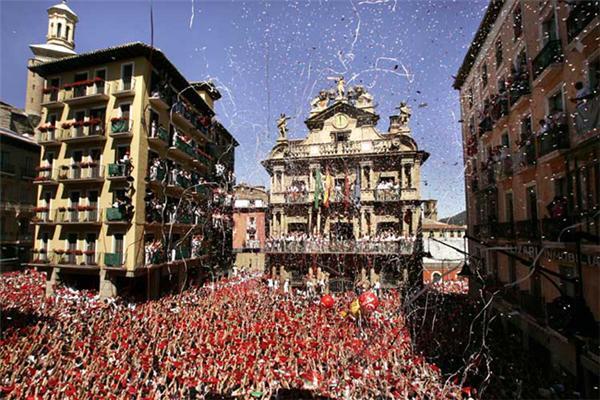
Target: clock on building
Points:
(340, 121)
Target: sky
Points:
(272, 57)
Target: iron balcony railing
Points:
(527, 229)
(78, 214)
(82, 171)
(82, 131)
(387, 194)
(556, 138)
(48, 136)
(297, 197)
(525, 156)
(582, 13)
(505, 230)
(403, 246)
(84, 90)
(551, 53)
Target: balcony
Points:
(28, 173)
(86, 92)
(43, 216)
(158, 136)
(84, 172)
(182, 149)
(534, 306)
(47, 135)
(113, 259)
(124, 88)
(46, 176)
(527, 230)
(121, 127)
(183, 117)
(51, 98)
(486, 125)
(505, 230)
(87, 215)
(387, 195)
(7, 168)
(519, 88)
(553, 227)
(525, 157)
(551, 54)
(76, 257)
(297, 197)
(556, 138)
(117, 172)
(582, 13)
(587, 119)
(252, 244)
(114, 216)
(83, 131)
(160, 99)
(506, 167)
(403, 246)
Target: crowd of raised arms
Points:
(235, 337)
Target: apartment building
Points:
(135, 175)
(529, 88)
(19, 155)
(251, 204)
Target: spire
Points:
(61, 26)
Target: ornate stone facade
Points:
(347, 182)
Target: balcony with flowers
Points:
(78, 131)
(186, 117)
(554, 135)
(40, 256)
(79, 214)
(46, 175)
(86, 92)
(84, 171)
(51, 98)
(43, 215)
(47, 134)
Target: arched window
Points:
(68, 31)
(436, 277)
(59, 29)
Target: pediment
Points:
(362, 117)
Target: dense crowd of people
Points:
(384, 242)
(235, 337)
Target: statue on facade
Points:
(282, 126)
(363, 98)
(340, 87)
(405, 113)
(319, 103)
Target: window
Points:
(126, 76)
(512, 270)
(594, 75)
(549, 30)
(90, 247)
(498, 48)
(436, 277)
(125, 110)
(501, 85)
(532, 203)
(484, 75)
(68, 32)
(59, 29)
(505, 140)
(101, 77)
(560, 187)
(341, 136)
(517, 22)
(509, 207)
(555, 103)
(118, 245)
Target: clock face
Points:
(340, 121)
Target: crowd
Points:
(235, 337)
(384, 242)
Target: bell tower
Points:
(60, 42)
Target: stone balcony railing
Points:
(403, 246)
(299, 150)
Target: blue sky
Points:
(273, 57)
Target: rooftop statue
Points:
(282, 126)
(405, 113)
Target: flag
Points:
(328, 187)
(318, 188)
(356, 194)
